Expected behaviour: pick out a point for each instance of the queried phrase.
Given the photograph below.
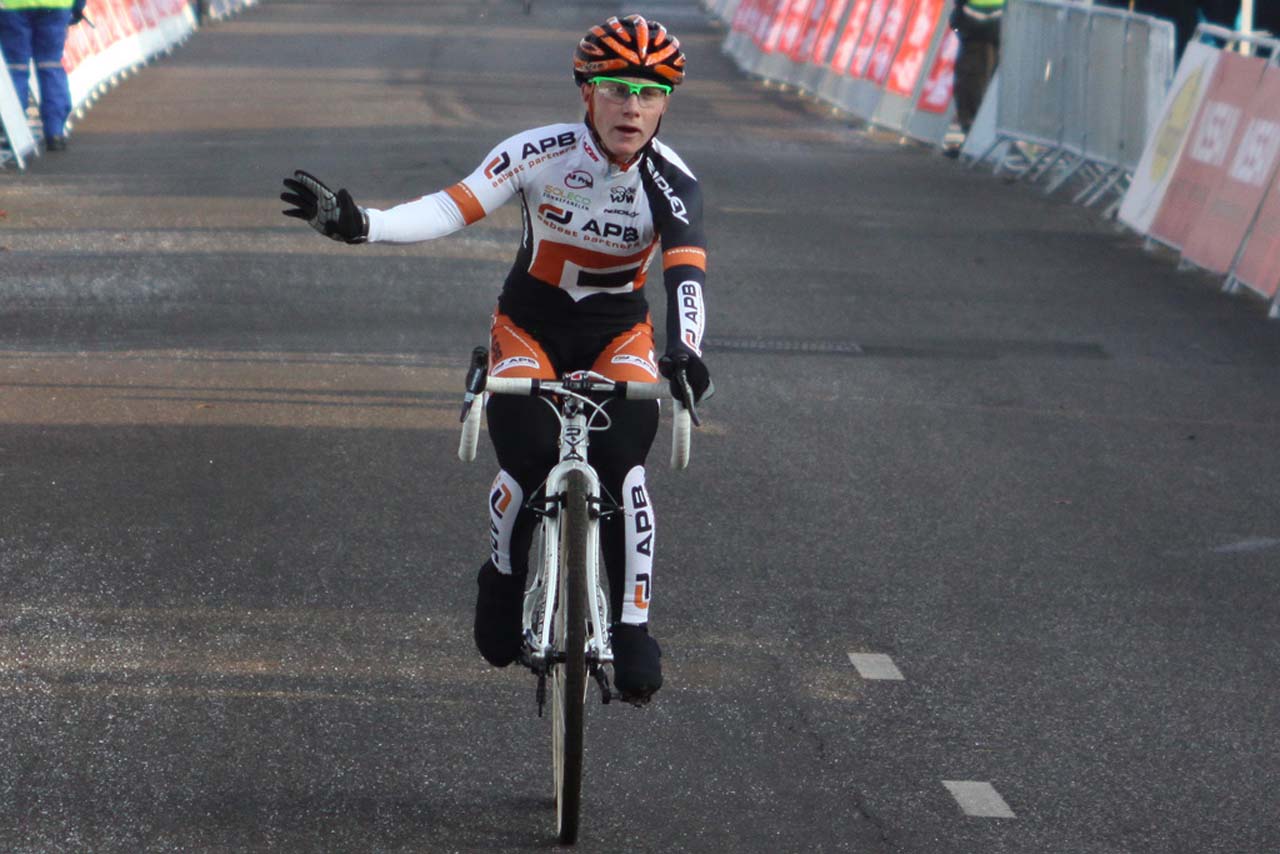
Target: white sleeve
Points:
(422, 219)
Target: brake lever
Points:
(687, 390)
(476, 376)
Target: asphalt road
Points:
(960, 425)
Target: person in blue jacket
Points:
(37, 29)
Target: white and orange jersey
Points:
(591, 230)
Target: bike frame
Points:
(574, 441)
(575, 406)
(578, 401)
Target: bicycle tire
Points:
(570, 676)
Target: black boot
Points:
(637, 669)
(499, 629)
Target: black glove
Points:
(333, 215)
(695, 372)
(77, 12)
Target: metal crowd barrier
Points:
(1084, 84)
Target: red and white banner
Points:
(909, 63)
(867, 41)
(887, 43)
(843, 55)
(886, 49)
(1219, 231)
(827, 35)
(1214, 136)
(935, 95)
(769, 25)
(792, 24)
(125, 33)
(803, 47)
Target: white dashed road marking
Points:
(978, 799)
(1252, 544)
(873, 665)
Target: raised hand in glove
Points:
(334, 215)
(694, 371)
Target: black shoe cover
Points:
(637, 670)
(499, 629)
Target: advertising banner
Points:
(791, 31)
(769, 26)
(843, 56)
(909, 64)
(1259, 264)
(1218, 233)
(867, 41)
(1212, 141)
(935, 96)
(803, 47)
(126, 33)
(1164, 146)
(882, 56)
(743, 16)
(827, 35)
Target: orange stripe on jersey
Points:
(555, 261)
(691, 256)
(467, 202)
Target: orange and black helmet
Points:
(630, 47)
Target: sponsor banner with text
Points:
(769, 25)
(884, 55)
(935, 95)
(803, 47)
(791, 31)
(857, 54)
(127, 33)
(1213, 138)
(1218, 233)
(1164, 146)
(827, 32)
(911, 58)
(867, 41)
(848, 43)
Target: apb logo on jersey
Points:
(622, 195)
(555, 214)
(612, 230)
(497, 165)
(542, 146)
(579, 180)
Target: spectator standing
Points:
(37, 30)
(977, 25)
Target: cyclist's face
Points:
(624, 127)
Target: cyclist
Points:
(599, 197)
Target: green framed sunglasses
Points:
(618, 91)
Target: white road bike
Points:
(566, 605)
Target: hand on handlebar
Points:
(690, 379)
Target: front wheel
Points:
(569, 678)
